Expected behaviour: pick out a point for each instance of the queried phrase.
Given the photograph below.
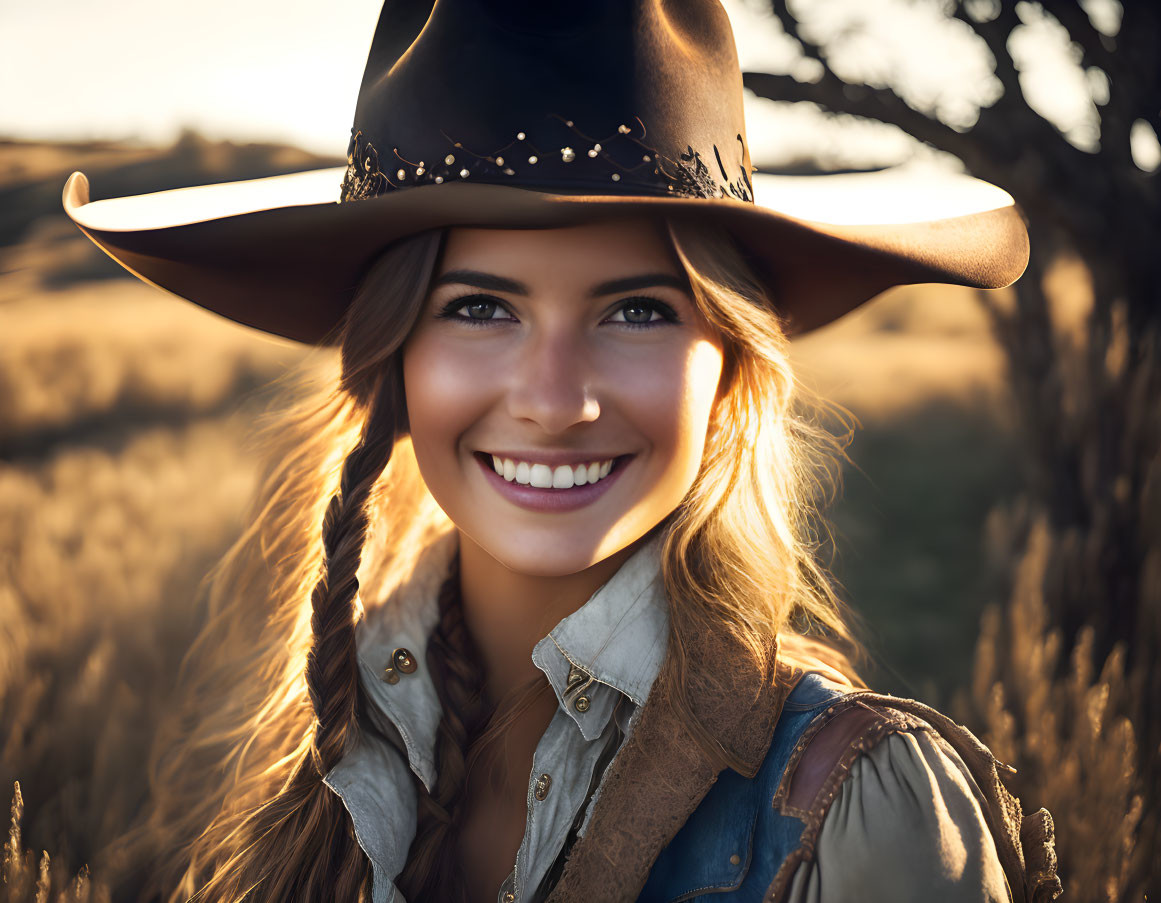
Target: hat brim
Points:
(282, 255)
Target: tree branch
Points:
(1006, 130)
(1076, 22)
(1010, 123)
(995, 33)
(1138, 46)
(1010, 144)
(881, 104)
(790, 26)
(1040, 182)
(1115, 116)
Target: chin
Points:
(547, 555)
(546, 552)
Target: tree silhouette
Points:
(1089, 406)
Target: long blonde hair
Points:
(270, 693)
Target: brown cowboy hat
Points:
(511, 114)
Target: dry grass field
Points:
(124, 473)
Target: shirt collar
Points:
(617, 639)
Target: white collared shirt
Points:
(617, 639)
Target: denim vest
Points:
(734, 842)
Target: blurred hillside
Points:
(124, 473)
(32, 175)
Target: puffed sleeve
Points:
(905, 826)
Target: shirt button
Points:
(582, 704)
(403, 660)
(542, 784)
(509, 897)
(735, 859)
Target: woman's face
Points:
(559, 385)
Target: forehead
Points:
(621, 246)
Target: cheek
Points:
(439, 403)
(672, 402)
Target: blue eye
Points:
(480, 309)
(644, 313)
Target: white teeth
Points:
(544, 476)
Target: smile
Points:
(546, 476)
(558, 486)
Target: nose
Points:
(552, 383)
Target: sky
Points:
(288, 71)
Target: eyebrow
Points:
(496, 283)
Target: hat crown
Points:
(613, 96)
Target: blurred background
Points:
(999, 526)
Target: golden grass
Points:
(123, 476)
(25, 879)
(113, 348)
(1063, 728)
(103, 552)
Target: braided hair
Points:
(466, 741)
(457, 670)
(297, 842)
(332, 669)
(306, 815)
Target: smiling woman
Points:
(562, 635)
(556, 374)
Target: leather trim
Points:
(820, 763)
(826, 751)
